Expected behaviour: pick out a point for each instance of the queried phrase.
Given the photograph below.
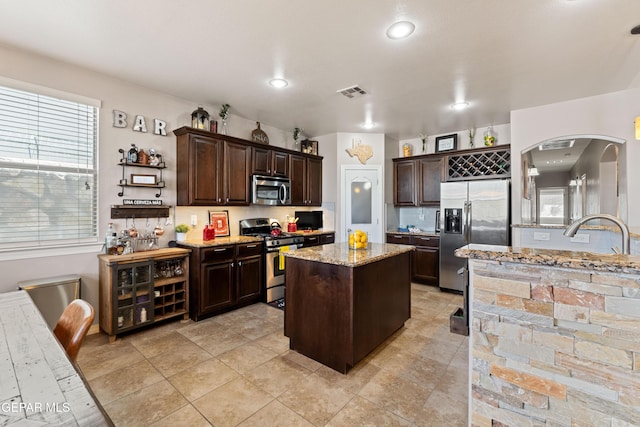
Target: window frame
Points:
(78, 245)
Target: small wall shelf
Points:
(125, 182)
(129, 211)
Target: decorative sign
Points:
(446, 143)
(139, 125)
(137, 202)
(219, 220)
(258, 135)
(362, 151)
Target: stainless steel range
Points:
(275, 242)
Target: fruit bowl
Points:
(358, 240)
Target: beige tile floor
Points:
(236, 369)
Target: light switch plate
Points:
(194, 220)
(580, 238)
(540, 236)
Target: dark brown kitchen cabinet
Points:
(429, 172)
(416, 181)
(425, 260)
(237, 174)
(404, 182)
(199, 170)
(224, 277)
(306, 180)
(269, 162)
(212, 171)
(319, 239)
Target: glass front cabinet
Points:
(142, 288)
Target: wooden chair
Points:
(73, 326)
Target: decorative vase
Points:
(489, 137)
(406, 150)
(424, 145)
(223, 128)
(181, 237)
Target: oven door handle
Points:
(283, 194)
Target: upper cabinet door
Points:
(269, 162)
(314, 182)
(199, 170)
(237, 173)
(404, 183)
(298, 173)
(430, 176)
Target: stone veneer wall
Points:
(553, 346)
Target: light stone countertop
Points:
(606, 227)
(219, 241)
(555, 258)
(410, 233)
(340, 254)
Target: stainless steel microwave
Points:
(270, 190)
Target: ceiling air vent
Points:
(557, 144)
(352, 91)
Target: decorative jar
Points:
(406, 150)
(358, 239)
(489, 137)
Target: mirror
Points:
(567, 178)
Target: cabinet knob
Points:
(239, 263)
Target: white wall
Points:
(612, 115)
(134, 100)
(501, 131)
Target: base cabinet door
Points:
(249, 273)
(425, 265)
(225, 277)
(216, 287)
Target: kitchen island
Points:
(554, 337)
(341, 303)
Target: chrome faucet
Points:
(573, 228)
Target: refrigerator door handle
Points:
(466, 225)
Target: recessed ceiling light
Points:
(459, 106)
(278, 83)
(368, 125)
(400, 30)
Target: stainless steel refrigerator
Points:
(471, 212)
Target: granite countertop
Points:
(307, 232)
(410, 233)
(551, 257)
(340, 254)
(219, 241)
(606, 227)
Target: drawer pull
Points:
(220, 250)
(251, 246)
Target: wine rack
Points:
(486, 163)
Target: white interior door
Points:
(362, 201)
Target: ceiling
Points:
(498, 55)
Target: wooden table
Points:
(38, 383)
(341, 304)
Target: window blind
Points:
(48, 191)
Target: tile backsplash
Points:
(422, 217)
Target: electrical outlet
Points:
(194, 220)
(421, 217)
(540, 236)
(580, 238)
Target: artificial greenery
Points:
(182, 228)
(224, 111)
(296, 133)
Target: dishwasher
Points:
(52, 295)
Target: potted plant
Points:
(181, 232)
